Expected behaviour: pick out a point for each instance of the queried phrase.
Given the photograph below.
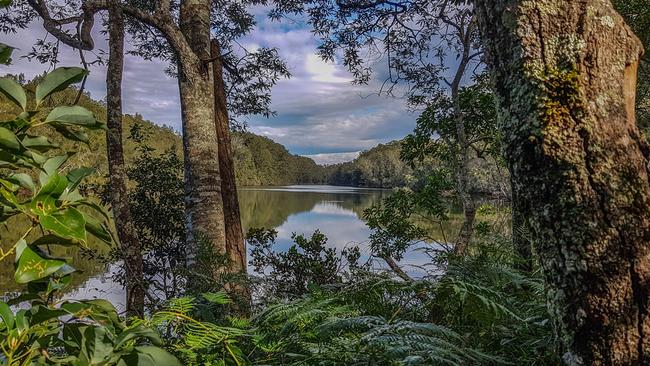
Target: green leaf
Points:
(14, 91)
(158, 356)
(69, 223)
(77, 175)
(44, 202)
(8, 139)
(5, 3)
(73, 115)
(51, 239)
(23, 180)
(5, 54)
(70, 134)
(6, 315)
(95, 228)
(39, 143)
(137, 333)
(54, 163)
(32, 266)
(57, 80)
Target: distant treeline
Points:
(259, 161)
(379, 167)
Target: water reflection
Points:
(335, 211)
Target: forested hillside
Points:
(259, 161)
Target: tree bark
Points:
(235, 245)
(565, 78)
(132, 255)
(204, 206)
(462, 153)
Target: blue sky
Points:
(320, 113)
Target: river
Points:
(335, 211)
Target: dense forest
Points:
(542, 103)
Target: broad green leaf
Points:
(54, 163)
(57, 80)
(14, 91)
(44, 202)
(5, 54)
(98, 208)
(51, 239)
(158, 356)
(6, 315)
(39, 143)
(73, 115)
(23, 180)
(40, 314)
(8, 139)
(69, 223)
(137, 333)
(71, 134)
(95, 228)
(75, 176)
(32, 266)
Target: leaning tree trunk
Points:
(235, 245)
(130, 245)
(565, 77)
(204, 207)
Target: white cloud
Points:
(334, 158)
(319, 111)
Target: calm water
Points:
(335, 211)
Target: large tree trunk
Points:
(204, 207)
(565, 77)
(235, 245)
(130, 245)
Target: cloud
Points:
(320, 112)
(334, 158)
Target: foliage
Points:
(45, 332)
(379, 167)
(305, 265)
(195, 340)
(480, 311)
(259, 161)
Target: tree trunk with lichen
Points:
(131, 253)
(565, 78)
(204, 206)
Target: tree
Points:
(565, 78)
(180, 32)
(130, 244)
(413, 40)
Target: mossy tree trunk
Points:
(129, 244)
(204, 205)
(565, 78)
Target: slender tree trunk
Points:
(565, 78)
(463, 158)
(235, 245)
(130, 245)
(204, 207)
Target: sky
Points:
(320, 113)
